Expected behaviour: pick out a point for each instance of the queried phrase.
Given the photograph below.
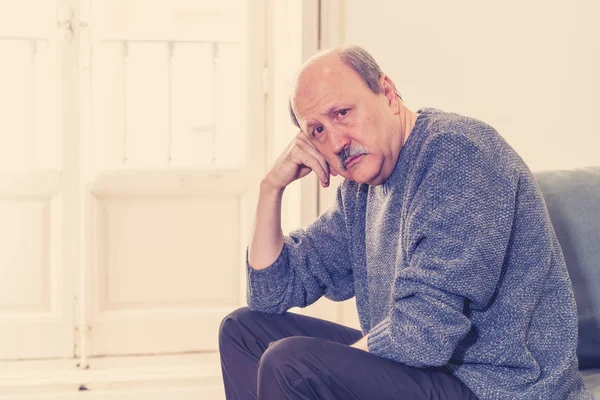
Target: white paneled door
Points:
(37, 250)
(131, 145)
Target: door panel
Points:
(36, 303)
(171, 171)
(156, 252)
(131, 147)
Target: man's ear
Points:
(389, 91)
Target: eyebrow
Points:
(329, 111)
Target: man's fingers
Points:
(301, 157)
(315, 154)
(302, 141)
(317, 168)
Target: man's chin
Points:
(363, 176)
(366, 173)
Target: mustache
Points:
(350, 151)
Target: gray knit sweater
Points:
(453, 262)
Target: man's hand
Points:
(362, 344)
(297, 160)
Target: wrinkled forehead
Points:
(320, 85)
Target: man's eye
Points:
(343, 112)
(318, 130)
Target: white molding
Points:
(124, 378)
(173, 183)
(19, 185)
(333, 23)
(310, 45)
(293, 28)
(122, 328)
(204, 392)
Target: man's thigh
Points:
(245, 335)
(309, 368)
(265, 328)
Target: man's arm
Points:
(297, 161)
(298, 269)
(457, 235)
(267, 240)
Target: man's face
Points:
(352, 127)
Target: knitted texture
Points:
(453, 262)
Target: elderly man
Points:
(441, 233)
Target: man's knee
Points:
(286, 351)
(230, 325)
(285, 364)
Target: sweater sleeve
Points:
(456, 234)
(313, 263)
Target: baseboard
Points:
(181, 377)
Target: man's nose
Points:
(339, 140)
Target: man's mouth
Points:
(350, 161)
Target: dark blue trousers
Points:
(291, 356)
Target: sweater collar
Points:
(409, 149)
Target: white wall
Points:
(531, 69)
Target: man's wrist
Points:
(269, 189)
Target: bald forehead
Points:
(321, 58)
(320, 66)
(320, 75)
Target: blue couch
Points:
(573, 201)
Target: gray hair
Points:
(363, 64)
